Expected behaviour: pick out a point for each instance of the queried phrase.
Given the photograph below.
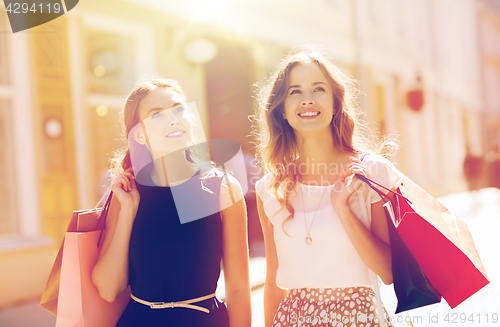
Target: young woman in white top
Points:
(325, 231)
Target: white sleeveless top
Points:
(331, 260)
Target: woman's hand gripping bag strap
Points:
(81, 220)
(440, 242)
(412, 287)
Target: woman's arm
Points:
(380, 229)
(235, 254)
(372, 246)
(110, 274)
(273, 295)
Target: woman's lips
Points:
(308, 114)
(176, 133)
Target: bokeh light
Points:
(101, 110)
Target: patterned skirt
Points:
(339, 307)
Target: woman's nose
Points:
(308, 100)
(172, 119)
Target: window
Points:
(104, 141)
(110, 77)
(115, 53)
(109, 67)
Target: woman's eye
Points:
(319, 88)
(179, 109)
(157, 114)
(295, 92)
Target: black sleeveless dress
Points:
(170, 261)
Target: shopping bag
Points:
(440, 242)
(79, 301)
(412, 287)
(70, 293)
(51, 293)
(81, 220)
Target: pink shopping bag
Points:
(81, 221)
(79, 302)
(50, 295)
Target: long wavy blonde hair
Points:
(276, 144)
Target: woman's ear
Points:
(283, 113)
(138, 135)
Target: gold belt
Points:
(182, 304)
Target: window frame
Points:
(144, 63)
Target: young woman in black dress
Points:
(148, 245)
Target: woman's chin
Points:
(171, 152)
(313, 129)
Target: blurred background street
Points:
(428, 72)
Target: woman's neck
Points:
(319, 158)
(172, 169)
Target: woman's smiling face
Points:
(167, 122)
(309, 100)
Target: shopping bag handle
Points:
(103, 215)
(371, 182)
(382, 195)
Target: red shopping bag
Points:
(79, 301)
(440, 242)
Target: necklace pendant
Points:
(309, 240)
